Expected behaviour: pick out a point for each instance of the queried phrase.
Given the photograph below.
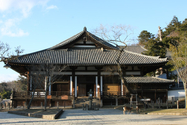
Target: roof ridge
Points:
(143, 47)
(99, 40)
(154, 57)
(71, 39)
(163, 79)
(112, 46)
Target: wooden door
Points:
(111, 89)
(82, 89)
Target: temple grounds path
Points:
(101, 117)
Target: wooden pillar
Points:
(155, 95)
(46, 78)
(49, 85)
(96, 84)
(166, 95)
(73, 80)
(101, 85)
(75, 86)
(28, 83)
(121, 88)
(71, 85)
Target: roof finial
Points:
(85, 29)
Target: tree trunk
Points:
(121, 73)
(45, 106)
(185, 91)
(185, 98)
(46, 86)
(122, 77)
(29, 105)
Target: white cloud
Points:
(16, 33)
(52, 7)
(10, 77)
(9, 27)
(23, 6)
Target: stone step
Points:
(84, 100)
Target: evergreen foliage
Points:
(7, 87)
(174, 38)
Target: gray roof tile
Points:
(98, 40)
(57, 55)
(147, 80)
(87, 57)
(137, 49)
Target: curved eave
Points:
(148, 80)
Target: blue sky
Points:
(39, 24)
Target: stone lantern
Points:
(90, 94)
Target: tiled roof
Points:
(67, 40)
(147, 80)
(137, 49)
(87, 57)
(98, 40)
(102, 41)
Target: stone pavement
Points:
(102, 116)
(50, 114)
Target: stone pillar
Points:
(116, 101)
(101, 103)
(131, 100)
(73, 103)
(177, 104)
(4, 105)
(90, 104)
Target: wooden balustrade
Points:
(111, 93)
(40, 94)
(56, 94)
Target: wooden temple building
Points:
(68, 70)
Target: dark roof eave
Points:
(148, 80)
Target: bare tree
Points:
(179, 58)
(43, 76)
(118, 35)
(6, 55)
(4, 48)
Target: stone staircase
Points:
(84, 100)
